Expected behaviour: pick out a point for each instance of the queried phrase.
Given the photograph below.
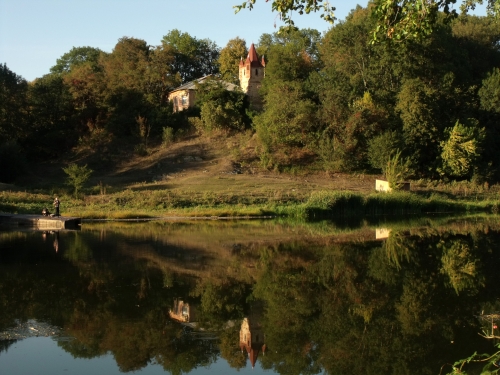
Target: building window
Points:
(184, 100)
(256, 72)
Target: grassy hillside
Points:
(213, 176)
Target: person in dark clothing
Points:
(56, 206)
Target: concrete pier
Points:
(39, 221)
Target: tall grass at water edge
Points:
(161, 203)
(345, 204)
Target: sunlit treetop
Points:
(397, 20)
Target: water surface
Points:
(278, 297)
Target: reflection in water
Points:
(252, 339)
(323, 299)
(183, 312)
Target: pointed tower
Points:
(252, 72)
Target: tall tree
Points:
(230, 56)
(125, 67)
(76, 56)
(52, 116)
(13, 109)
(159, 77)
(194, 58)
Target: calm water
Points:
(249, 297)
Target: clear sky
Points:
(35, 33)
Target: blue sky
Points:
(35, 33)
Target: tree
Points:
(289, 117)
(412, 19)
(52, 117)
(77, 176)
(126, 66)
(13, 95)
(160, 77)
(230, 56)
(88, 90)
(490, 92)
(418, 110)
(463, 148)
(396, 19)
(222, 107)
(193, 58)
(76, 56)
(285, 7)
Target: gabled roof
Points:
(192, 85)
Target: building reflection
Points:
(183, 312)
(252, 338)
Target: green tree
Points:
(77, 176)
(490, 92)
(289, 117)
(381, 147)
(159, 77)
(463, 148)
(230, 57)
(52, 116)
(88, 90)
(13, 108)
(193, 58)
(126, 65)
(75, 57)
(418, 110)
(396, 19)
(222, 107)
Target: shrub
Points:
(167, 136)
(77, 176)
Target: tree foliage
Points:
(462, 149)
(193, 58)
(230, 56)
(77, 56)
(221, 108)
(396, 19)
(13, 105)
(77, 176)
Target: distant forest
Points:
(340, 99)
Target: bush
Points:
(167, 136)
(77, 176)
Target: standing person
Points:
(56, 206)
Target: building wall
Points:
(182, 99)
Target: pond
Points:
(273, 297)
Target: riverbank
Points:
(153, 203)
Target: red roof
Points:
(253, 58)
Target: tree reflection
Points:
(461, 266)
(404, 305)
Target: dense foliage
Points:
(336, 100)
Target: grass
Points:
(146, 203)
(345, 204)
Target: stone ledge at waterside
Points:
(39, 221)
